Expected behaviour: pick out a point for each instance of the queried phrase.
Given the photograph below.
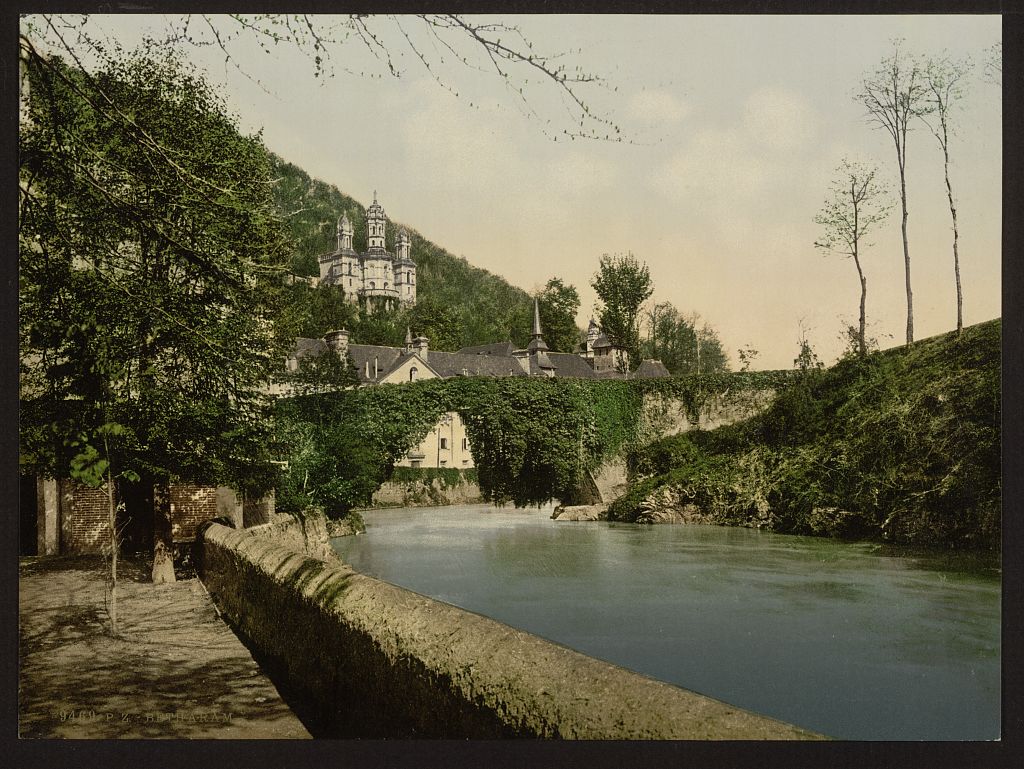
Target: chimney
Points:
(337, 341)
(421, 346)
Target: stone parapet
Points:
(380, 661)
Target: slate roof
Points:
(362, 354)
(498, 348)
(494, 360)
(449, 364)
(651, 369)
(568, 364)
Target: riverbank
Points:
(902, 446)
(177, 671)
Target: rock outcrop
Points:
(581, 513)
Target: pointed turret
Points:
(537, 342)
(345, 231)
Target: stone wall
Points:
(663, 416)
(379, 661)
(425, 492)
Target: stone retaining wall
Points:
(381, 661)
(426, 492)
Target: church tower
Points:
(378, 270)
(405, 269)
(376, 278)
(375, 225)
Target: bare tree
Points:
(856, 204)
(945, 79)
(894, 95)
(444, 45)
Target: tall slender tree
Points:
(856, 205)
(895, 95)
(945, 79)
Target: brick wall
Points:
(84, 514)
(191, 505)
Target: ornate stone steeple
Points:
(375, 225)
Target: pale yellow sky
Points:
(737, 124)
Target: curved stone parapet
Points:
(381, 661)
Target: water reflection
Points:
(851, 640)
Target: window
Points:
(413, 372)
(465, 444)
(444, 443)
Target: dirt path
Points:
(178, 671)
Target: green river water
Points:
(855, 641)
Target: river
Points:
(852, 640)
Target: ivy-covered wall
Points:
(533, 439)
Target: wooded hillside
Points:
(458, 305)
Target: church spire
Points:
(537, 343)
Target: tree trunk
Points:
(163, 542)
(114, 545)
(862, 330)
(956, 235)
(906, 258)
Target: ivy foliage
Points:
(533, 439)
(903, 445)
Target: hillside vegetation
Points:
(458, 305)
(902, 446)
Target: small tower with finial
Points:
(404, 269)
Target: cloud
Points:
(656, 108)
(713, 165)
(456, 147)
(779, 119)
(732, 172)
(578, 173)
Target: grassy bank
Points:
(902, 446)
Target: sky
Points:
(734, 126)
